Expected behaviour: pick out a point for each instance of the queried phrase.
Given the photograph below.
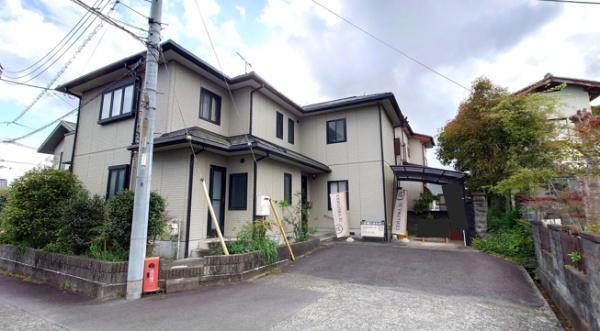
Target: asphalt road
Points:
(342, 286)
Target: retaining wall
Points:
(94, 278)
(575, 287)
(193, 273)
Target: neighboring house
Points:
(261, 144)
(3, 183)
(60, 144)
(411, 148)
(575, 96)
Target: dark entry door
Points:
(304, 188)
(217, 197)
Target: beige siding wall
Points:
(416, 152)
(56, 155)
(236, 219)
(170, 172)
(362, 133)
(68, 146)
(357, 160)
(403, 157)
(99, 146)
(185, 94)
(270, 174)
(264, 122)
(414, 190)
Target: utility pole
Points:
(143, 171)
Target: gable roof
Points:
(62, 128)
(549, 81)
(171, 47)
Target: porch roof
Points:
(210, 140)
(421, 173)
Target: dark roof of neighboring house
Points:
(549, 81)
(204, 138)
(62, 128)
(170, 45)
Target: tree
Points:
(503, 140)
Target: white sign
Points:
(399, 217)
(375, 229)
(340, 214)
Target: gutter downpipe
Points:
(254, 185)
(76, 129)
(385, 214)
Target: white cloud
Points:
(241, 10)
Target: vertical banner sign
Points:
(340, 214)
(399, 218)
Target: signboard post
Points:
(399, 218)
(340, 214)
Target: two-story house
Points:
(244, 138)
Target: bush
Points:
(3, 198)
(117, 231)
(83, 221)
(421, 205)
(297, 216)
(36, 202)
(252, 237)
(499, 220)
(515, 243)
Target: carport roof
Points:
(418, 173)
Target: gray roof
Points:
(348, 101)
(205, 138)
(56, 136)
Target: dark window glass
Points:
(290, 131)
(117, 103)
(336, 131)
(238, 191)
(117, 179)
(287, 188)
(279, 128)
(335, 187)
(210, 106)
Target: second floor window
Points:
(279, 126)
(290, 131)
(336, 131)
(117, 103)
(210, 106)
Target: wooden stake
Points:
(280, 225)
(214, 218)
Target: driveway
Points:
(365, 286)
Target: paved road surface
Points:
(366, 286)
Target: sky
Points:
(306, 52)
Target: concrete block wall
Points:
(94, 278)
(189, 274)
(576, 292)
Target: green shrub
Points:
(422, 204)
(98, 251)
(120, 212)
(36, 201)
(499, 220)
(3, 198)
(515, 243)
(297, 216)
(83, 221)
(252, 237)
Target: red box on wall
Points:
(150, 283)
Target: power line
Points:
(38, 71)
(27, 85)
(64, 68)
(13, 140)
(131, 8)
(573, 1)
(62, 42)
(392, 47)
(212, 45)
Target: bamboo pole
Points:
(214, 218)
(280, 225)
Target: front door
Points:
(217, 198)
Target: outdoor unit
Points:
(263, 208)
